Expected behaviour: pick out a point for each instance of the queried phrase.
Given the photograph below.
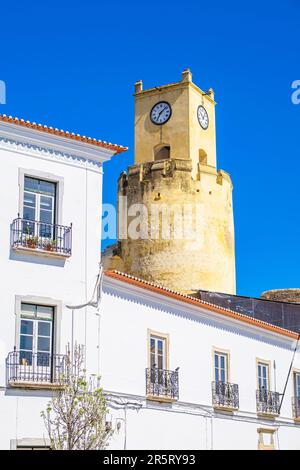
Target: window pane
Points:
(29, 199)
(31, 184)
(28, 309)
(216, 360)
(43, 344)
(46, 187)
(26, 342)
(26, 327)
(46, 217)
(222, 362)
(28, 214)
(25, 358)
(43, 359)
(152, 345)
(43, 328)
(46, 203)
(160, 347)
(160, 362)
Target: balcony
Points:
(162, 385)
(38, 237)
(296, 408)
(267, 403)
(35, 370)
(225, 396)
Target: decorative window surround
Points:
(30, 443)
(266, 438)
(57, 304)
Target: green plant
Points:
(32, 241)
(50, 245)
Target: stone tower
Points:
(175, 208)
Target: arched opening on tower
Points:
(202, 157)
(162, 152)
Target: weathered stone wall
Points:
(283, 295)
(203, 262)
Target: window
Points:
(39, 204)
(266, 438)
(221, 367)
(162, 153)
(157, 352)
(35, 341)
(263, 376)
(33, 448)
(297, 385)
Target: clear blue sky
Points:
(72, 65)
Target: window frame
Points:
(261, 444)
(57, 314)
(35, 334)
(224, 352)
(269, 365)
(163, 336)
(41, 175)
(295, 372)
(29, 443)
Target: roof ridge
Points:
(62, 133)
(214, 307)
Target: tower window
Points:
(162, 153)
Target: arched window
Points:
(162, 152)
(202, 157)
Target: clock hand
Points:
(162, 111)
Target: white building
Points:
(143, 324)
(179, 373)
(53, 178)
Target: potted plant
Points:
(31, 242)
(50, 245)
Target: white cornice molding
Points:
(34, 142)
(183, 308)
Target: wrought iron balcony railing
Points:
(225, 395)
(41, 236)
(267, 402)
(296, 407)
(162, 383)
(37, 368)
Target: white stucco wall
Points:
(128, 312)
(69, 281)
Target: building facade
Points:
(181, 373)
(50, 224)
(178, 372)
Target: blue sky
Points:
(73, 65)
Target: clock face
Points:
(160, 113)
(202, 117)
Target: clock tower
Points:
(175, 183)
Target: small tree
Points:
(75, 417)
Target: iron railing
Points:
(162, 383)
(225, 395)
(296, 407)
(267, 402)
(41, 236)
(25, 366)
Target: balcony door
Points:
(263, 376)
(39, 207)
(297, 386)
(35, 342)
(221, 367)
(158, 357)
